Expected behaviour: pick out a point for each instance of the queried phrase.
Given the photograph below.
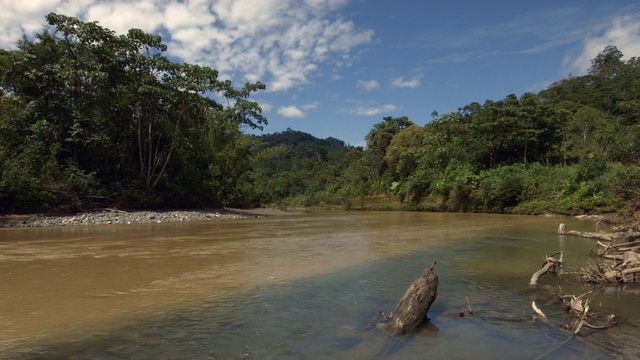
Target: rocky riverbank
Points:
(111, 217)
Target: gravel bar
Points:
(109, 217)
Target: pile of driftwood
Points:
(619, 252)
(579, 312)
(576, 307)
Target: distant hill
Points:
(305, 144)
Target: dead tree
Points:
(414, 305)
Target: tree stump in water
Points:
(414, 305)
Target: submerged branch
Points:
(550, 265)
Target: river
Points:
(297, 287)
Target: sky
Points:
(334, 68)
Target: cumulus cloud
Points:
(624, 33)
(279, 42)
(291, 112)
(369, 109)
(368, 84)
(401, 82)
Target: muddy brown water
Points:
(297, 287)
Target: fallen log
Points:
(631, 271)
(619, 245)
(631, 236)
(595, 235)
(550, 264)
(414, 305)
(629, 259)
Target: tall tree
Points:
(379, 138)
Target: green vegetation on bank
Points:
(92, 119)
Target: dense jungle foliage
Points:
(92, 119)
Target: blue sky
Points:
(336, 67)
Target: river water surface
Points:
(307, 286)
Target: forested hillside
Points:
(92, 119)
(573, 148)
(293, 164)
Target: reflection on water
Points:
(307, 286)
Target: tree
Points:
(379, 138)
(607, 62)
(113, 110)
(407, 138)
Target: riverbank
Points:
(112, 217)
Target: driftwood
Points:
(414, 305)
(621, 254)
(624, 264)
(624, 270)
(618, 234)
(596, 235)
(550, 264)
(562, 229)
(577, 308)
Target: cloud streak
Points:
(368, 85)
(279, 42)
(401, 82)
(369, 109)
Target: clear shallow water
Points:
(294, 287)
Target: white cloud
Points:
(624, 33)
(311, 106)
(291, 112)
(406, 83)
(368, 84)
(369, 109)
(122, 15)
(279, 42)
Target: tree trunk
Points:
(414, 305)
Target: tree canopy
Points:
(91, 116)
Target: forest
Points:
(90, 119)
